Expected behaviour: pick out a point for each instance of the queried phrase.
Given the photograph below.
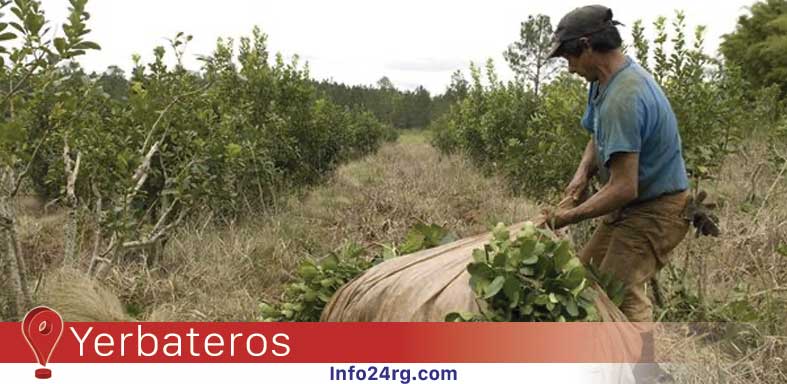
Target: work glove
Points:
(698, 212)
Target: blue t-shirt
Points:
(632, 114)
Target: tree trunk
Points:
(70, 234)
(537, 77)
(16, 292)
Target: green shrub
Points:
(503, 128)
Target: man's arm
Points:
(619, 191)
(585, 171)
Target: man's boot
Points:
(647, 371)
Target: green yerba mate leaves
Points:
(317, 280)
(533, 277)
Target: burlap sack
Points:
(427, 285)
(424, 286)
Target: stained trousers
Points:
(633, 244)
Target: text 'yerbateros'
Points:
(144, 344)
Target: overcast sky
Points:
(357, 42)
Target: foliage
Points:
(504, 128)
(229, 135)
(29, 54)
(527, 56)
(317, 281)
(423, 236)
(444, 134)
(545, 154)
(401, 109)
(305, 298)
(28, 60)
(533, 277)
(708, 98)
(113, 81)
(456, 91)
(759, 44)
(537, 142)
(141, 154)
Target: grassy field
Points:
(219, 272)
(739, 278)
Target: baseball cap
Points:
(581, 22)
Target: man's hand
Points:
(577, 187)
(620, 190)
(557, 218)
(585, 171)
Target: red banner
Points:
(331, 343)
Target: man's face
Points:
(581, 65)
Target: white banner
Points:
(321, 373)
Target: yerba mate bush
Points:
(503, 128)
(709, 99)
(28, 59)
(230, 134)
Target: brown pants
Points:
(633, 244)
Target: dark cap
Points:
(581, 22)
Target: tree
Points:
(114, 83)
(28, 65)
(420, 108)
(385, 83)
(527, 57)
(457, 90)
(759, 44)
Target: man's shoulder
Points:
(634, 83)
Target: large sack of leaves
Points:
(460, 280)
(428, 285)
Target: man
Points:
(635, 148)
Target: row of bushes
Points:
(231, 134)
(129, 159)
(537, 140)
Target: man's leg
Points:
(638, 248)
(630, 259)
(639, 245)
(596, 248)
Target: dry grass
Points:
(79, 298)
(702, 358)
(215, 272)
(741, 277)
(752, 196)
(753, 213)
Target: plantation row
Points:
(133, 158)
(227, 135)
(536, 139)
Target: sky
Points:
(412, 42)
